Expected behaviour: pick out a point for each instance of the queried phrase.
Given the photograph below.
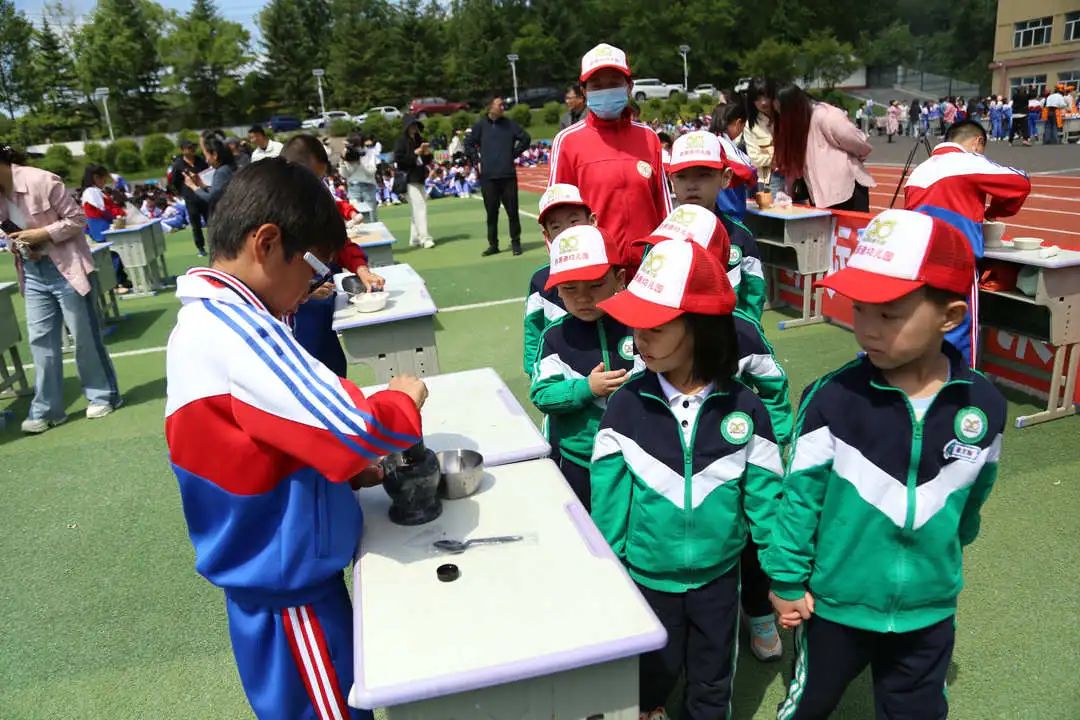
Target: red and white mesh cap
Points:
(900, 252)
(697, 149)
(696, 224)
(603, 56)
(676, 277)
(558, 195)
(582, 252)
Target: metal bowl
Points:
(462, 471)
(352, 285)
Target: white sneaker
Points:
(96, 411)
(764, 639)
(36, 426)
(428, 244)
(414, 242)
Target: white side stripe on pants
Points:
(306, 653)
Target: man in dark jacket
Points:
(575, 106)
(493, 144)
(190, 160)
(413, 155)
(1019, 116)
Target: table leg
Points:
(811, 309)
(13, 380)
(1059, 400)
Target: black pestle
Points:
(413, 486)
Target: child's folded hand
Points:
(412, 386)
(604, 383)
(792, 612)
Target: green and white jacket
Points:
(542, 307)
(678, 513)
(758, 369)
(878, 505)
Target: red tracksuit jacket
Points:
(961, 181)
(617, 166)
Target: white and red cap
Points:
(900, 252)
(697, 149)
(676, 277)
(558, 195)
(582, 252)
(696, 224)
(603, 56)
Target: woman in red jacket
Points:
(614, 160)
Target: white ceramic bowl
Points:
(1027, 243)
(992, 234)
(369, 301)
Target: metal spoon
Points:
(456, 547)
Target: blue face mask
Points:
(607, 104)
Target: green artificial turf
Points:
(104, 616)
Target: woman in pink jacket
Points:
(55, 272)
(818, 144)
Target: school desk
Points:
(377, 241)
(796, 239)
(142, 250)
(400, 338)
(106, 282)
(11, 378)
(1052, 316)
(549, 627)
(475, 410)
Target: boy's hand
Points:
(604, 383)
(412, 386)
(322, 292)
(368, 477)
(792, 612)
(372, 282)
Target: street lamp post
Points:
(318, 73)
(103, 93)
(684, 50)
(513, 58)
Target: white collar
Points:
(673, 394)
(206, 283)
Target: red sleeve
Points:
(562, 164)
(114, 209)
(1007, 192)
(744, 175)
(662, 197)
(351, 257)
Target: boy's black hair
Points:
(664, 138)
(942, 297)
(185, 144)
(305, 149)
(276, 192)
(576, 89)
(725, 114)
(716, 348)
(965, 130)
(257, 129)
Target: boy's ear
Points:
(264, 241)
(620, 278)
(726, 176)
(955, 312)
(593, 220)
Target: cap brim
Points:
(868, 287)
(634, 312)
(584, 274)
(585, 76)
(679, 167)
(561, 203)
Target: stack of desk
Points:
(400, 338)
(142, 249)
(798, 240)
(377, 241)
(1052, 316)
(106, 282)
(543, 628)
(13, 378)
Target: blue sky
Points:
(241, 11)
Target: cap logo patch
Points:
(626, 348)
(644, 169)
(568, 244)
(970, 424)
(653, 264)
(879, 231)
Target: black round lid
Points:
(448, 572)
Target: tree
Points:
(895, 45)
(772, 59)
(16, 33)
(294, 40)
(117, 49)
(825, 58)
(204, 53)
(58, 103)
(364, 64)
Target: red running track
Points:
(1052, 211)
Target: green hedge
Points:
(113, 150)
(552, 113)
(128, 161)
(157, 151)
(522, 115)
(59, 160)
(94, 152)
(341, 127)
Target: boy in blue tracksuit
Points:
(895, 454)
(561, 207)
(685, 468)
(267, 443)
(584, 356)
(699, 171)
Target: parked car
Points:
(702, 91)
(283, 123)
(649, 88)
(422, 107)
(536, 97)
(318, 123)
(389, 112)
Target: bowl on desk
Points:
(1026, 243)
(993, 232)
(461, 473)
(369, 301)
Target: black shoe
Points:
(516, 249)
(490, 251)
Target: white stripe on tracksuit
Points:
(328, 700)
